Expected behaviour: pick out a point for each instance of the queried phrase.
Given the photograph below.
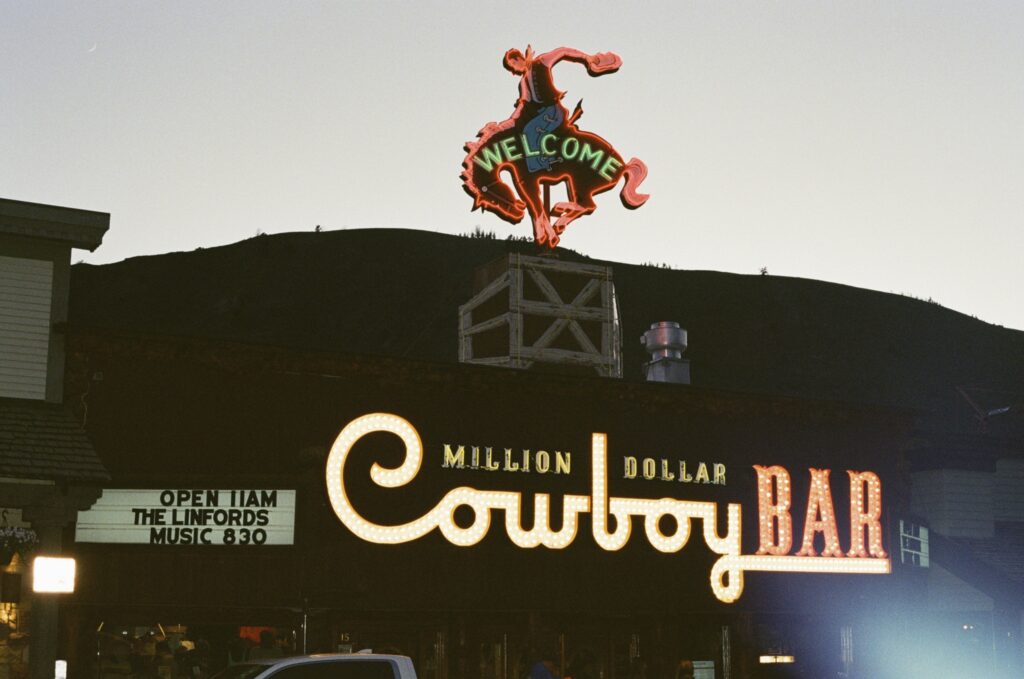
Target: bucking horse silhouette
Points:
(540, 145)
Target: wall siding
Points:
(26, 290)
(956, 503)
(1009, 497)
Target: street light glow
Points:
(53, 575)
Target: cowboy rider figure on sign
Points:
(540, 145)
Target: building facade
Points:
(174, 416)
(48, 468)
(215, 385)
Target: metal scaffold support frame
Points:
(591, 302)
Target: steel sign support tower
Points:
(544, 311)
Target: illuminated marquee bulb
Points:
(475, 500)
(775, 515)
(730, 563)
(727, 567)
(652, 526)
(727, 572)
(541, 533)
(865, 517)
(819, 502)
(442, 516)
(353, 431)
(601, 506)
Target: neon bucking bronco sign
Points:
(540, 145)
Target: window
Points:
(913, 544)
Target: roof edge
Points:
(83, 229)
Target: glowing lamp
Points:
(53, 575)
(776, 659)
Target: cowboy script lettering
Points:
(865, 555)
(539, 146)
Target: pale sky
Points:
(876, 144)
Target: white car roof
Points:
(313, 657)
(403, 661)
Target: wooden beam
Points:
(565, 356)
(494, 360)
(545, 286)
(465, 339)
(515, 315)
(582, 338)
(563, 311)
(493, 288)
(590, 270)
(551, 333)
(489, 324)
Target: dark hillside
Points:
(396, 292)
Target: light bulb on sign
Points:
(865, 517)
(726, 577)
(819, 503)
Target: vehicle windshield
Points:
(241, 671)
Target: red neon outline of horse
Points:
(481, 176)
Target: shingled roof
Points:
(41, 440)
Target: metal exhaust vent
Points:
(666, 342)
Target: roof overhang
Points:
(82, 229)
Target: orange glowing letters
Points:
(774, 518)
(776, 523)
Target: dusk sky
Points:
(875, 144)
